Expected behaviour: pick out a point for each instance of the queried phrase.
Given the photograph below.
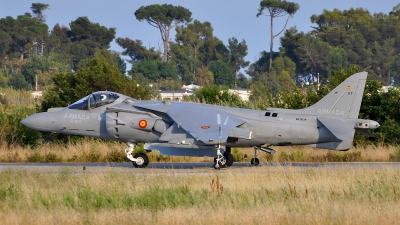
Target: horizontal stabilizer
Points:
(366, 133)
(341, 129)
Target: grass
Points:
(273, 195)
(101, 151)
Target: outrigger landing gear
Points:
(255, 161)
(139, 160)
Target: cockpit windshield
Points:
(95, 100)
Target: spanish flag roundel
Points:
(142, 123)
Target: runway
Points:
(188, 167)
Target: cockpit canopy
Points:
(95, 100)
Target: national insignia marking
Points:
(142, 123)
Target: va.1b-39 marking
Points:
(194, 129)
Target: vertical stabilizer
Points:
(342, 102)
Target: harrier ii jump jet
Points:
(195, 129)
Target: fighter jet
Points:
(196, 129)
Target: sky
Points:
(229, 18)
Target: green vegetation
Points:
(283, 195)
(68, 63)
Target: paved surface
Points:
(184, 167)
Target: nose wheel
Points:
(142, 161)
(139, 160)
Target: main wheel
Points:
(218, 165)
(143, 160)
(255, 162)
(223, 161)
(229, 159)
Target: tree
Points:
(337, 59)
(290, 44)
(82, 30)
(237, 52)
(96, 75)
(196, 47)
(41, 69)
(395, 68)
(312, 53)
(353, 30)
(242, 81)
(276, 8)
(223, 75)
(153, 70)
(37, 9)
(193, 35)
(18, 82)
(260, 67)
(260, 96)
(205, 77)
(113, 58)
(79, 43)
(136, 51)
(395, 11)
(283, 64)
(185, 52)
(164, 17)
(23, 32)
(5, 43)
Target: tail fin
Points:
(342, 102)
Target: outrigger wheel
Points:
(142, 160)
(255, 162)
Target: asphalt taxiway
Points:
(188, 167)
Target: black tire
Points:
(218, 166)
(144, 160)
(229, 159)
(255, 162)
(223, 162)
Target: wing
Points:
(202, 122)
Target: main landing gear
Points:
(223, 160)
(255, 161)
(139, 160)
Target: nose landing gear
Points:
(139, 160)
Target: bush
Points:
(115, 156)
(93, 156)
(396, 156)
(237, 155)
(51, 157)
(34, 156)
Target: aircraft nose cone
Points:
(36, 122)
